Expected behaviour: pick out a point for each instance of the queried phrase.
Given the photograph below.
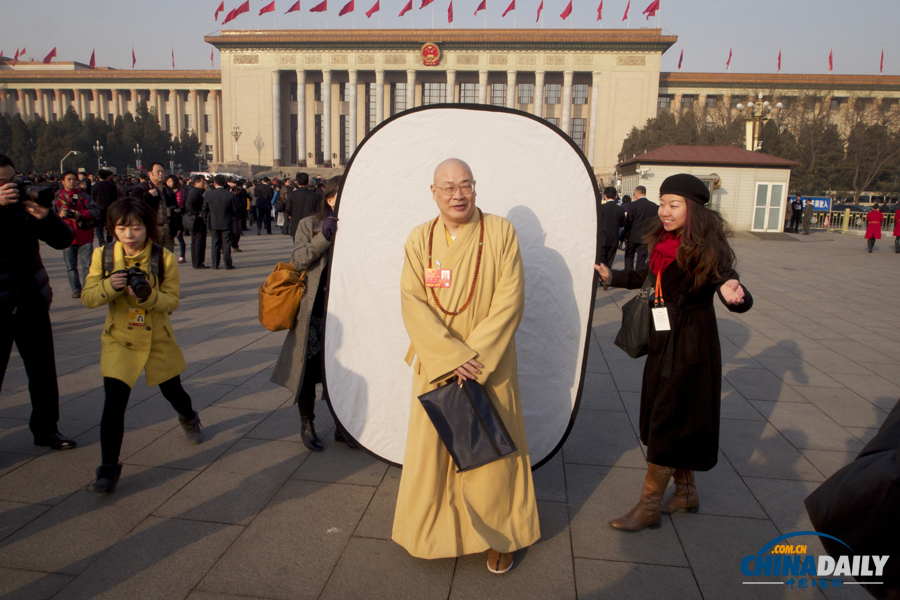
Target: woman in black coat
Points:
(682, 383)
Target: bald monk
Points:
(441, 513)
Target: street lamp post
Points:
(199, 157)
(171, 154)
(236, 134)
(71, 152)
(137, 155)
(98, 149)
(756, 114)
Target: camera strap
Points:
(157, 264)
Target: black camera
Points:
(138, 283)
(29, 190)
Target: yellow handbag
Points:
(279, 297)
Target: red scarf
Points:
(664, 253)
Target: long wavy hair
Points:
(704, 252)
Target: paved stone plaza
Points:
(810, 374)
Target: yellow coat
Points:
(129, 349)
(441, 513)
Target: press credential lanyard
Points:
(659, 311)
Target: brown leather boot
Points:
(646, 512)
(685, 497)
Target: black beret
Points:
(687, 186)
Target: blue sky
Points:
(755, 29)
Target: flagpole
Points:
(432, 15)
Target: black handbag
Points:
(634, 335)
(468, 424)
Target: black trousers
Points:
(306, 396)
(871, 243)
(795, 223)
(263, 215)
(198, 247)
(112, 424)
(221, 244)
(632, 251)
(608, 255)
(30, 329)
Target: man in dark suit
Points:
(264, 195)
(219, 212)
(105, 193)
(301, 202)
(641, 218)
(194, 221)
(611, 218)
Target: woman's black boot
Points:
(308, 435)
(341, 436)
(107, 478)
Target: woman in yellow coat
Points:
(137, 335)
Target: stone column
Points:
(132, 106)
(102, 109)
(701, 110)
(154, 103)
(120, 103)
(79, 103)
(676, 106)
(326, 115)
(22, 105)
(482, 87)
(410, 89)
(510, 89)
(301, 115)
(198, 118)
(175, 99)
(276, 118)
(539, 94)
(45, 105)
(351, 124)
(592, 125)
(379, 96)
(217, 149)
(565, 120)
(451, 86)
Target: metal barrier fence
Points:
(845, 221)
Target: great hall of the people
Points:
(311, 96)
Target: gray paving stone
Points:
(230, 340)
(881, 392)
(284, 423)
(735, 406)
(16, 406)
(829, 361)
(805, 426)
(238, 485)
(73, 534)
(797, 372)
(378, 520)
(758, 450)
(339, 464)
(602, 437)
(600, 494)
(828, 462)
(760, 384)
(10, 462)
(863, 434)
(783, 501)
(723, 492)
(541, 571)
(379, 569)
(17, 584)
(161, 558)
(845, 407)
(258, 393)
(156, 413)
(15, 515)
(632, 403)
(270, 343)
(291, 548)
(197, 595)
(595, 361)
(16, 438)
(550, 480)
(598, 579)
(600, 393)
(234, 369)
(757, 345)
(627, 374)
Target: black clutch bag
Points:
(468, 424)
(634, 335)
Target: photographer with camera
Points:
(80, 211)
(139, 280)
(25, 295)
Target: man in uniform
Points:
(611, 217)
(464, 331)
(642, 215)
(796, 214)
(807, 216)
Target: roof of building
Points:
(709, 155)
(770, 82)
(68, 78)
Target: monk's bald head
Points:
(447, 168)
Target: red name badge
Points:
(438, 278)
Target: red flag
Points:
(375, 8)
(173, 57)
(49, 56)
(92, 63)
(17, 55)
(482, 6)
(600, 11)
(212, 62)
(22, 53)
(728, 62)
(243, 8)
(294, 8)
(540, 8)
(321, 7)
(650, 11)
(229, 17)
(133, 59)
(568, 11)
(831, 60)
(349, 7)
(270, 7)
(449, 12)
(512, 6)
(680, 58)
(406, 8)
(627, 8)
(779, 60)
(881, 68)
(220, 9)
(425, 3)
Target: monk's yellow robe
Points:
(441, 513)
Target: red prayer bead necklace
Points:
(477, 267)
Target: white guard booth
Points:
(527, 171)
